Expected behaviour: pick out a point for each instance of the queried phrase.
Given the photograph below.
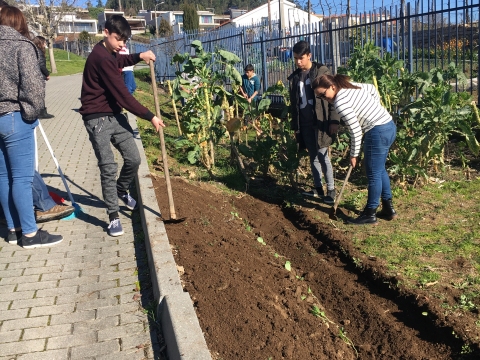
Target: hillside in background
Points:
(131, 7)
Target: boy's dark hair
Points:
(249, 67)
(301, 48)
(119, 25)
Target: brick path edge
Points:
(181, 330)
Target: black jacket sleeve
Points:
(42, 61)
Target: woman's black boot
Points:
(366, 217)
(387, 212)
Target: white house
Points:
(71, 24)
(207, 19)
(137, 23)
(284, 10)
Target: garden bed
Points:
(232, 250)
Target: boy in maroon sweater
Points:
(104, 94)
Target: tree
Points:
(94, 12)
(45, 19)
(99, 4)
(89, 4)
(164, 28)
(190, 18)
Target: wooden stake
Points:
(170, 91)
(173, 215)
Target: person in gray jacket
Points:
(21, 100)
(314, 120)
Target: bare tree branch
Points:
(44, 17)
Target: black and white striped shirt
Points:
(361, 110)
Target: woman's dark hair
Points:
(301, 48)
(40, 42)
(340, 82)
(13, 17)
(119, 25)
(249, 67)
(3, 3)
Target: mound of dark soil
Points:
(251, 307)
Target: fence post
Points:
(321, 53)
(264, 64)
(334, 47)
(410, 39)
(242, 44)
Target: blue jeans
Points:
(129, 81)
(376, 144)
(319, 160)
(41, 198)
(17, 157)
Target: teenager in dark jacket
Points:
(314, 120)
(41, 42)
(104, 94)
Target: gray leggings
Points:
(319, 160)
(116, 130)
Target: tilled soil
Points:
(251, 307)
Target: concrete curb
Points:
(181, 329)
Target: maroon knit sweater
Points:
(103, 91)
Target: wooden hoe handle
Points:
(173, 215)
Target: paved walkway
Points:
(79, 299)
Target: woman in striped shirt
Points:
(360, 109)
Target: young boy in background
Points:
(250, 84)
(103, 96)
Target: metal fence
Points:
(422, 35)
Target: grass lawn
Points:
(434, 244)
(67, 63)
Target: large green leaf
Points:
(264, 105)
(233, 73)
(229, 57)
(197, 45)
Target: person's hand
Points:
(48, 77)
(333, 129)
(156, 122)
(147, 56)
(353, 161)
(249, 99)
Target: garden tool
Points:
(333, 210)
(78, 209)
(173, 215)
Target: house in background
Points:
(137, 23)
(207, 19)
(285, 11)
(75, 23)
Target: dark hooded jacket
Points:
(324, 112)
(23, 87)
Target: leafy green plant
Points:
(427, 124)
(342, 334)
(315, 311)
(202, 115)
(424, 125)
(276, 147)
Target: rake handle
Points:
(173, 215)
(339, 197)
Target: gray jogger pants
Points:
(319, 160)
(116, 130)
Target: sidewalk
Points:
(81, 298)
